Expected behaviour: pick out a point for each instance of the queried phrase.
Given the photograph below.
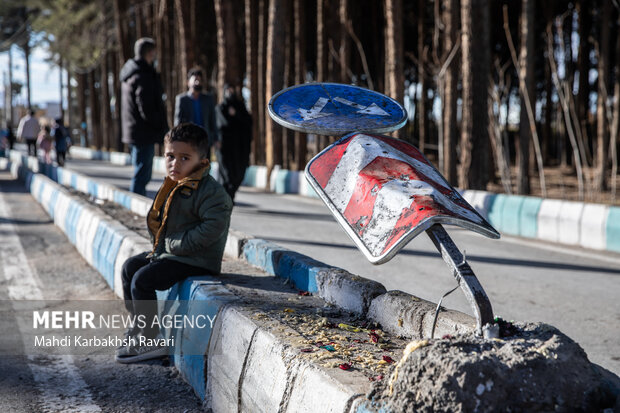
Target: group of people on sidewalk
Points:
(228, 125)
(42, 136)
(189, 218)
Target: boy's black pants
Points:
(141, 277)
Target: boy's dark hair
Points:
(143, 46)
(195, 71)
(192, 134)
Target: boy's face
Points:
(181, 160)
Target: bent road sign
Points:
(384, 192)
(335, 109)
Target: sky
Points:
(43, 76)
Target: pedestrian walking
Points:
(235, 125)
(28, 130)
(143, 114)
(60, 135)
(44, 141)
(197, 107)
(8, 134)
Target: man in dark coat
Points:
(236, 132)
(143, 114)
(197, 107)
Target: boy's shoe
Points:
(134, 352)
(131, 332)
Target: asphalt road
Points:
(573, 289)
(38, 263)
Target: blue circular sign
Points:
(335, 109)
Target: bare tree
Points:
(300, 75)
(449, 95)
(526, 83)
(183, 9)
(229, 44)
(394, 67)
(251, 69)
(473, 171)
(274, 75)
(602, 141)
(421, 109)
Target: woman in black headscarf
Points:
(235, 124)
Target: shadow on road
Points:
(477, 258)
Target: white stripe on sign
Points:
(59, 381)
(393, 197)
(362, 150)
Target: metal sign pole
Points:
(464, 275)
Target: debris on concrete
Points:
(535, 368)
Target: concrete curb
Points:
(407, 316)
(247, 367)
(594, 226)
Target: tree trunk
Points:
(602, 132)
(451, 78)
(274, 75)
(475, 68)
(394, 68)
(183, 9)
(62, 98)
(26, 49)
(322, 52)
(139, 19)
(546, 130)
(263, 13)
(95, 118)
(583, 64)
(68, 119)
(322, 55)
(106, 119)
(251, 70)
(116, 84)
(81, 92)
(120, 23)
(229, 45)
(527, 82)
(345, 42)
(421, 109)
(300, 75)
(9, 101)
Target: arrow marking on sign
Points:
(315, 111)
(371, 109)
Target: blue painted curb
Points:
(281, 262)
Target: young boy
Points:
(188, 224)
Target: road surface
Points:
(573, 289)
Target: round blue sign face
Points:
(335, 109)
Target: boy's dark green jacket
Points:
(189, 219)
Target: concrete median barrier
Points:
(253, 357)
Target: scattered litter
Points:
(304, 293)
(344, 366)
(388, 359)
(328, 348)
(289, 310)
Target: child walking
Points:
(44, 141)
(188, 224)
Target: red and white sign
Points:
(384, 192)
